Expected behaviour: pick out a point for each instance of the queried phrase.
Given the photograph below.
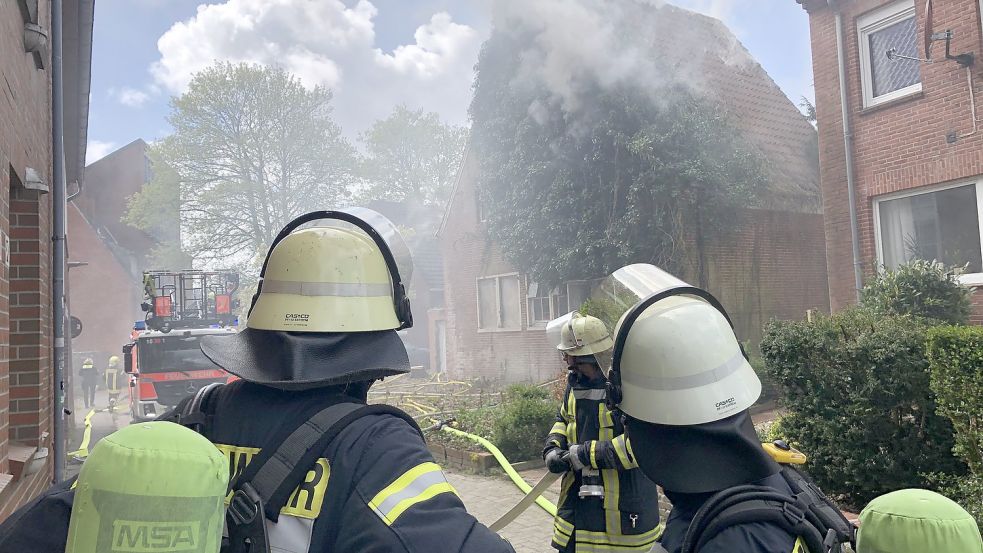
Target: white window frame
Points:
(498, 303)
(969, 279)
(869, 23)
(530, 322)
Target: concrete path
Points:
(489, 497)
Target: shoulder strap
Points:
(276, 470)
(807, 514)
(195, 414)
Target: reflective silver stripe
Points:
(413, 489)
(715, 374)
(338, 289)
(594, 394)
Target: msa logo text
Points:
(137, 536)
(726, 404)
(296, 317)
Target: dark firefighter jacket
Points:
(380, 492)
(627, 518)
(754, 537)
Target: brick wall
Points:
(774, 267)
(25, 284)
(103, 294)
(898, 146)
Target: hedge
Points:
(926, 289)
(856, 387)
(955, 355)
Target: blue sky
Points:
(375, 54)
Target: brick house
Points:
(26, 393)
(493, 322)
(917, 153)
(106, 292)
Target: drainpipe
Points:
(848, 150)
(58, 239)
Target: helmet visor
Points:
(384, 229)
(619, 292)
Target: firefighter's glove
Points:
(555, 461)
(575, 457)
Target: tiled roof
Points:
(725, 70)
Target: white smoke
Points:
(577, 46)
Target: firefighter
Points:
(89, 377)
(605, 503)
(321, 329)
(917, 521)
(113, 380)
(681, 378)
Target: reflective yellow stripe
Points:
(416, 485)
(562, 531)
(611, 479)
(572, 413)
(586, 547)
(800, 546)
(645, 538)
(631, 453)
(622, 452)
(593, 453)
(559, 428)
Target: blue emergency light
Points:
(140, 325)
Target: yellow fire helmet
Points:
(329, 300)
(584, 335)
(114, 361)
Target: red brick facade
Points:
(25, 285)
(26, 342)
(897, 146)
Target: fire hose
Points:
(532, 494)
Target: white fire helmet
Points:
(582, 335)
(676, 359)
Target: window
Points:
(499, 305)
(893, 29)
(543, 306)
(539, 304)
(942, 225)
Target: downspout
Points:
(848, 150)
(59, 205)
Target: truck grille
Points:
(171, 392)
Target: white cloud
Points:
(98, 149)
(437, 45)
(325, 42)
(130, 97)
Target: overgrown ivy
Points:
(572, 194)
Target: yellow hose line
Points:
(546, 504)
(83, 450)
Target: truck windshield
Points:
(172, 353)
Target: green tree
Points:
(412, 155)
(921, 288)
(577, 194)
(251, 149)
(156, 211)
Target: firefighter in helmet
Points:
(89, 376)
(321, 329)
(605, 504)
(113, 381)
(684, 384)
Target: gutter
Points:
(59, 204)
(848, 150)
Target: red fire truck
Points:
(163, 359)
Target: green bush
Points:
(955, 355)
(856, 385)
(921, 288)
(525, 419)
